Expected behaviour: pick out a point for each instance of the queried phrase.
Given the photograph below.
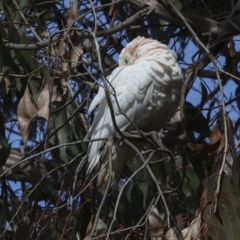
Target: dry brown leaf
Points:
(205, 148)
(215, 135)
(229, 124)
(155, 221)
(60, 48)
(216, 143)
(64, 80)
(204, 199)
(4, 86)
(193, 232)
(73, 14)
(195, 227)
(76, 50)
(173, 234)
(29, 109)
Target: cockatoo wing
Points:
(132, 89)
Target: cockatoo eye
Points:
(126, 61)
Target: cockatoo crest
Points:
(147, 88)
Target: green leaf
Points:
(227, 209)
(204, 96)
(131, 210)
(42, 7)
(178, 4)
(78, 131)
(196, 121)
(23, 4)
(211, 187)
(3, 219)
(190, 186)
(23, 7)
(48, 231)
(22, 231)
(215, 228)
(146, 191)
(4, 150)
(34, 87)
(100, 228)
(14, 54)
(236, 188)
(195, 158)
(60, 119)
(31, 65)
(4, 146)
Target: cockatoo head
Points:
(139, 49)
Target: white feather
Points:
(147, 85)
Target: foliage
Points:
(53, 54)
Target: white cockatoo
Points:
(146, 86)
